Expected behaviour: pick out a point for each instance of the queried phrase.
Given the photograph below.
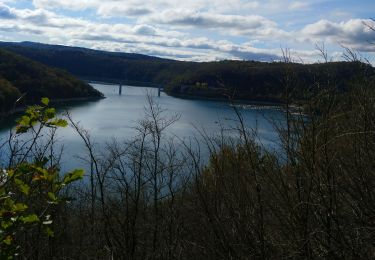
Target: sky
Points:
(198, 30)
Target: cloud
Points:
(11, 28)
(111, 10)
(258, 55)
(6, 12)
(210, 20)
(66, 4)
(37, 17)
(354, 33)
(137, 8)
(197, 30)
(255, 26)
(299, 5)
(145, 29)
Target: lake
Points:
(117, 115)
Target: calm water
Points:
(116, 116)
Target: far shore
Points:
(189, 96)
(223, 99)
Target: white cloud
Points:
(66, 4)
(144, 29)
(254, 26)
(6, 12)
(188, 30)
(111, 10)
(132, 8)
(353, 33)
(299, 5)
(142, 37)
(210, 20)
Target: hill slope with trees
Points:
(246, 80)
(20, 76)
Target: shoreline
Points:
(196, 97)
(78, 99)
(252, 104)
(245, 102)
(234, 101)
(56, 101)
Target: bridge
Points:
(120, 84)
(160, 89)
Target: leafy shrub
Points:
(30, 189)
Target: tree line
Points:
(22, 77)
(246, 80)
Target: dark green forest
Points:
(245, 80)
(20, 76)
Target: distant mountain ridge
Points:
(94, 64)
(246, 80)
(56, 47)
(20, 76)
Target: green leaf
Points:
(6, 224)
(49, 232)
(30, 219)
(23, 187)
(59, 122)
(52, 197)
(45, 101)
(8, 240)
(24, 120)
(73, 176)
(21, 129)
(23, 124)
(19, 207)
(42, 174)
(49, 113)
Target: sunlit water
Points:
(116, 116)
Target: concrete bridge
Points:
(120, 84)
(160, 89)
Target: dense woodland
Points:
(20, 76)
(246, 80)
(154, 197)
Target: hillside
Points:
(246, 80)
(101, 65)
(267, 82)
(22, 76)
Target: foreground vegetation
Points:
(31, 183)
(156, 197)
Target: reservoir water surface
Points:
(116, 116)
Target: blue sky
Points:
(199, 30)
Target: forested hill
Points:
(102, 65)
(22, 76)
(269, 82)
(247, 80)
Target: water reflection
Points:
(116, 116)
